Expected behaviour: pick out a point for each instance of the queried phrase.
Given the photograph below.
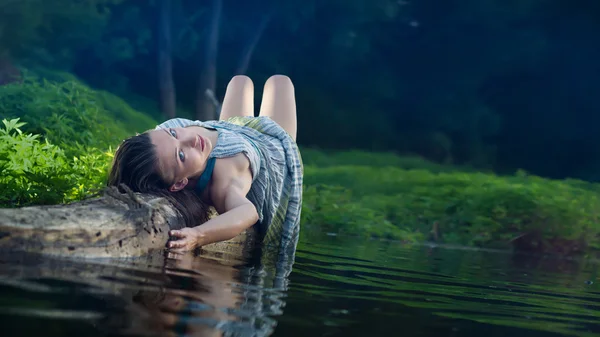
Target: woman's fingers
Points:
(177, 233)
(175, 244)
(184, 239)
(183, 242)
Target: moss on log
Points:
(114, 225)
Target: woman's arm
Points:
(231, 182)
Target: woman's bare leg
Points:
(279, 103)
(239, 98)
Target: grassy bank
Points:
(467, 208)
(57, 138)
(63, 150)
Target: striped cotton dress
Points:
(277, 173)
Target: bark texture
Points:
(114, 225)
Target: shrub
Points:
(34, 171)
(469, 208)
(57, 139)
(70, 114)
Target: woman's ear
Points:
(178, 186)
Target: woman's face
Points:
(181, 152)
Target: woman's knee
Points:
(279, 82)
(240, 81)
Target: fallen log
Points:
(114, 225)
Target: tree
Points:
(165, 66)
(51, 32)
(205, 109)
(248, 51)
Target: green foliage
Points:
(33, 171)
(71, 114)
(51, 32)
(469, 208)
(58, 138)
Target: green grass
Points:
(58, 137)
(468, 208)
(67, 112)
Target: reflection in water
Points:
(339, 287)
(173, 295)
(204, 297)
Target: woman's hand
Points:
(188, 239)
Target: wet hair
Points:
(135, 164)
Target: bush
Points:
(58, 139)
(37, 172)
(70, 114)
(473, 209)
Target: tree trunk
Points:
(251, 46)
(165, 67)
(205, 109)
(115, 225)
(8, 72)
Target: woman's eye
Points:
(181, 156)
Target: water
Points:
(339, 287)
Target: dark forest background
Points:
(494, 84)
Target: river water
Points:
(338, 287)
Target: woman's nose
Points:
(190, 140)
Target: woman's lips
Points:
(201, 142)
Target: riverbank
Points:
(452, 206)
(63, 151)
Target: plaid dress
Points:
(277, 171)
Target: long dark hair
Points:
(135, 165)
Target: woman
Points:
(249, 168)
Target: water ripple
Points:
(532, 293)
(337, 288)
(160, 296)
